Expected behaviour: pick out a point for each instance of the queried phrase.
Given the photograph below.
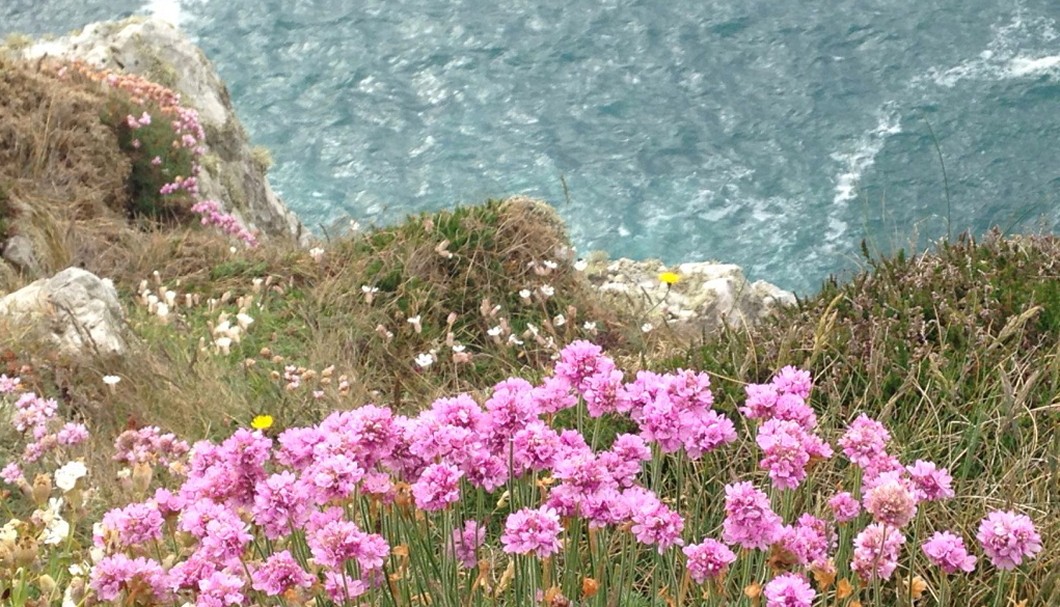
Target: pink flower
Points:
(891, 503)
(791, 380)
(789, 590)
(466, 543)
(864, 441)
(654, 523)
(749, 519)
(280, 504)
(809, 540)
(1008, 537)
(333, 540)
(530, 530)
(578, 361)
(134, 524)
(761, 400)
(12, 474)
(8, 384)
(876, 551)
(932, 483)
(118, 572)
(785, 456)
(437, 487)
(220, 589)
(708, 559)
(72, 434)
(279, 573)
(947, 552)
(844, 507)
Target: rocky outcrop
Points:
(155, 49)
(75, 309)
(705, 295)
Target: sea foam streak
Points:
(167, 10)
(855, 163)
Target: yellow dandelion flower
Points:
(262, 422)
(669, 278)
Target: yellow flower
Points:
(669, 278)
(262, 422)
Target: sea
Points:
(781, 136)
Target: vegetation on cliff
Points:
(955, 351)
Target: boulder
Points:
(75, 309)
(707, 295)
(18, 251)
(233, 174)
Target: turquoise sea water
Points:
(775, 135)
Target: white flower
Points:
(244, 320)
(415, 322)
(459, 348)
(580, 265)
(589, 325)
(646, 327)
(494, 331)
(162, 311)
(9, 532)
(111, 380)
(316, 253)
(66, 476)
(547, 290)
(515, 341)
(525, 294)
(551, 265)
(56, 529)
(224, 344)
(424, 359)
(559, 320)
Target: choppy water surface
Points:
(775, 135)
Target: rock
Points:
(153, 48)
(18, 251)
(75, 309)
(707, 295)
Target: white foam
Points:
(1011, 53)
(167, 10)
(1026, 66)
(853, 165)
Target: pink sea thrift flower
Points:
(466, 543)
(876, 551)
(948, 553)
(865, 440)
(1007, 538)
(12, 474)
(280, 504)
(792, 380)
(761, 401)
(580, 360)
(708, 560)
(134, 524)
(932, 483)
(532, 531)
(749, 519)
(220, 589)
(654, 523)
(279, 573)
(785, 457)
(789, 590)
(118, 572)
(891, 503)
(844, 507)
(809, 540)
(437, 487)
(8, 384)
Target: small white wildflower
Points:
(316, 253)
(580, 265)
(415, 322)
(515, 341)
(355, 226)
(559, 320)
(233, 250)
(111, 380)
(548, 290)
(494, 331)
(162, 311)
(551, 265)
(244, 320)
(171, 298)
(525, 294)
(459, 348)
(647, 327)
(424, 359)
(224, 344)
(369, 293)
(589, 325)
(78, 569)
(66, 476)
(256, 284)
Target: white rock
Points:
(75, 309)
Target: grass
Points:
(957, 349)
